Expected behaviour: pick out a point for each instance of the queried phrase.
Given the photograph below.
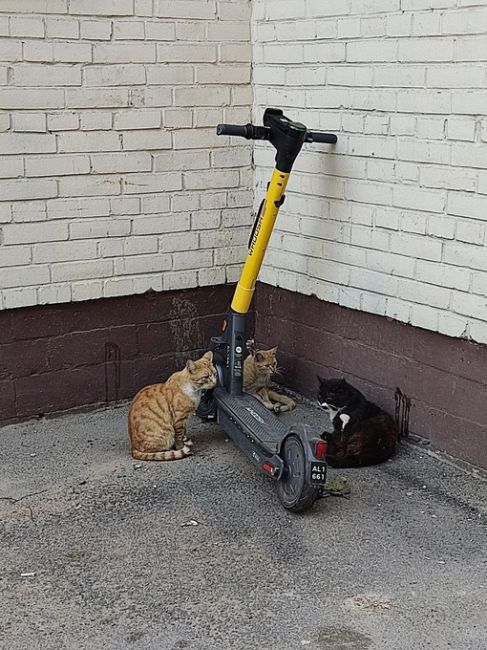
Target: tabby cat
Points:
(158, 413)
(259, 367)
(363, 434)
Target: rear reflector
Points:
(321, 449)
(268, 468)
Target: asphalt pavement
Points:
(101, 552)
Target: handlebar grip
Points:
(233, 129)
(318, 136)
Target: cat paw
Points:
(276, 408)
(188, 442)
(283, 408)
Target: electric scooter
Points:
(295, 456)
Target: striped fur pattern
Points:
(158, 413)
(259, 367)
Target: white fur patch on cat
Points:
(193, 394)
(330, 410)
(345, 420)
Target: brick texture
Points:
(444, 377)
(107, 115)
(59, 357)
(398, 207)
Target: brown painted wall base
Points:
(445, 378)
(59, 357)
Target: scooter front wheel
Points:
(206, 410)
(293, 490)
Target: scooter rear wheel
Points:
(292, 489)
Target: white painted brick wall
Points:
(111, 174)
(393, 219)
(113, 182)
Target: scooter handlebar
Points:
(248, 131)
(233, 129)
(318, 136)
(251, 132)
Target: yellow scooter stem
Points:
(259, 241)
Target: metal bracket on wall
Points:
(112, 379)
(403, 407)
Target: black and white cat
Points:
(363, 434)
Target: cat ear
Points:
(320, 380)
(274, 350)
(190, 366)
(251, 346)
(208, 355)
(258, 356)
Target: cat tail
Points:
(172, 454)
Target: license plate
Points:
(318, 473)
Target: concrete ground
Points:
(96, 550)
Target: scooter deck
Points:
(252, 418)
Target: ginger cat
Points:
(158, 413)
(259, 367)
